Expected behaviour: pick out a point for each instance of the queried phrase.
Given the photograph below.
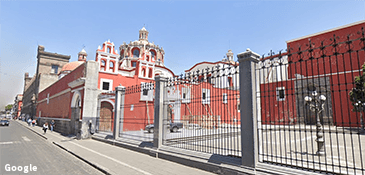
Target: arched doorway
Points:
(106, 117)
(76, 106)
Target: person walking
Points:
(45, 127)
(52, 124)
(29, 121)
(34, 122)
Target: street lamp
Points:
(316, 104)
(361, 107)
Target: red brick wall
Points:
(60, 106)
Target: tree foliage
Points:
(357, 94)
(8, 107)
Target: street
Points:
(49, 158)
(22, 152)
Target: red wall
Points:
(137, 118)
(333, 62)
(60, 106)
(274, 111)
(202, 112)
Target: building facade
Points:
(325, 62)
(136, 64)
(82, 99)
(71, 101)
(18, 102)
(48, 66)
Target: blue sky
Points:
(189, 31)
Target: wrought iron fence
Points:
(138, 112)
(311, 106)
(203, 110)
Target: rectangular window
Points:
(280, 93)
(206, 96)
(54, 69)
(185, 95)
(134, 64)
(225, 98)
(145, 92)
(106, 86)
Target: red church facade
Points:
(326, 62)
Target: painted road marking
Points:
(115, 160)
(25, 138)
(8, 143)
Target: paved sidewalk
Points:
(112, 159)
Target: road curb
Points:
(33, 131)
(79, 157)
(193, 162)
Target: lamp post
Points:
(361, 107)
(316, 104)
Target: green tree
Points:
(357, 96)
(8, 107)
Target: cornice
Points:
(76, 83)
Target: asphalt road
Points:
(24, 152)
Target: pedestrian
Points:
(34, 122)
(45, 127)
(29, 121)
(52, 125)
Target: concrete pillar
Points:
(160, 116)
(247, 76)
(119, 111)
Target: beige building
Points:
(48, 67)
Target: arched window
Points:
(102, 66)
(143, 72)
(150, 73)
(136, 53)
(111, 65)
(108, 50)
(153, 55)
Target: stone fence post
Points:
(248, 107)
(159, 116)
(119, 111)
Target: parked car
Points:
(174, 127)
(4, 122)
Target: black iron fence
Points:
(311, 103)
(137, 108)
(203, 110)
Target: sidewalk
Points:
(112, 159)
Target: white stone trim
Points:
(326, 31)
(76, 82)
(78, 89)
(109, 101)
(207, 96)
(278, 95)
(63, 119)
(56, 95)
(110, 81)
